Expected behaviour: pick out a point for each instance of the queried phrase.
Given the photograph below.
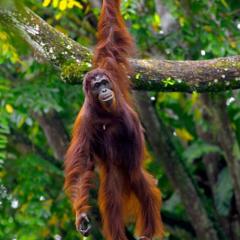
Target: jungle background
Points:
(194, 154)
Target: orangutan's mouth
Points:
(106, 97)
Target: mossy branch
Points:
(74, 60)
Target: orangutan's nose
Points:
(104, 90)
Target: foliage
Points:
(63, 4)
(224, 192)
(32, 202)
(199, 149)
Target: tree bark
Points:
(95, 3)
(24, 145)
(168, 23)
(219, 118)
(215, 113)
(211, 160)
(55, 133)
(73, 60)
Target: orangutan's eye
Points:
(105, 82)
(96, 85)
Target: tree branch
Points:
(73, 60)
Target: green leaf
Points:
(157, 19)
(172, 203)
(225, 4)
(224, 192)
(199, 149)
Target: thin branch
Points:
(73, 60)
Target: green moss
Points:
(227, 64)
(137, 76)
(168, 81)
(141, 82)
(73, 72)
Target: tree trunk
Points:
(55, 133)
(159, 138)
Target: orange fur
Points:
(127, 192)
